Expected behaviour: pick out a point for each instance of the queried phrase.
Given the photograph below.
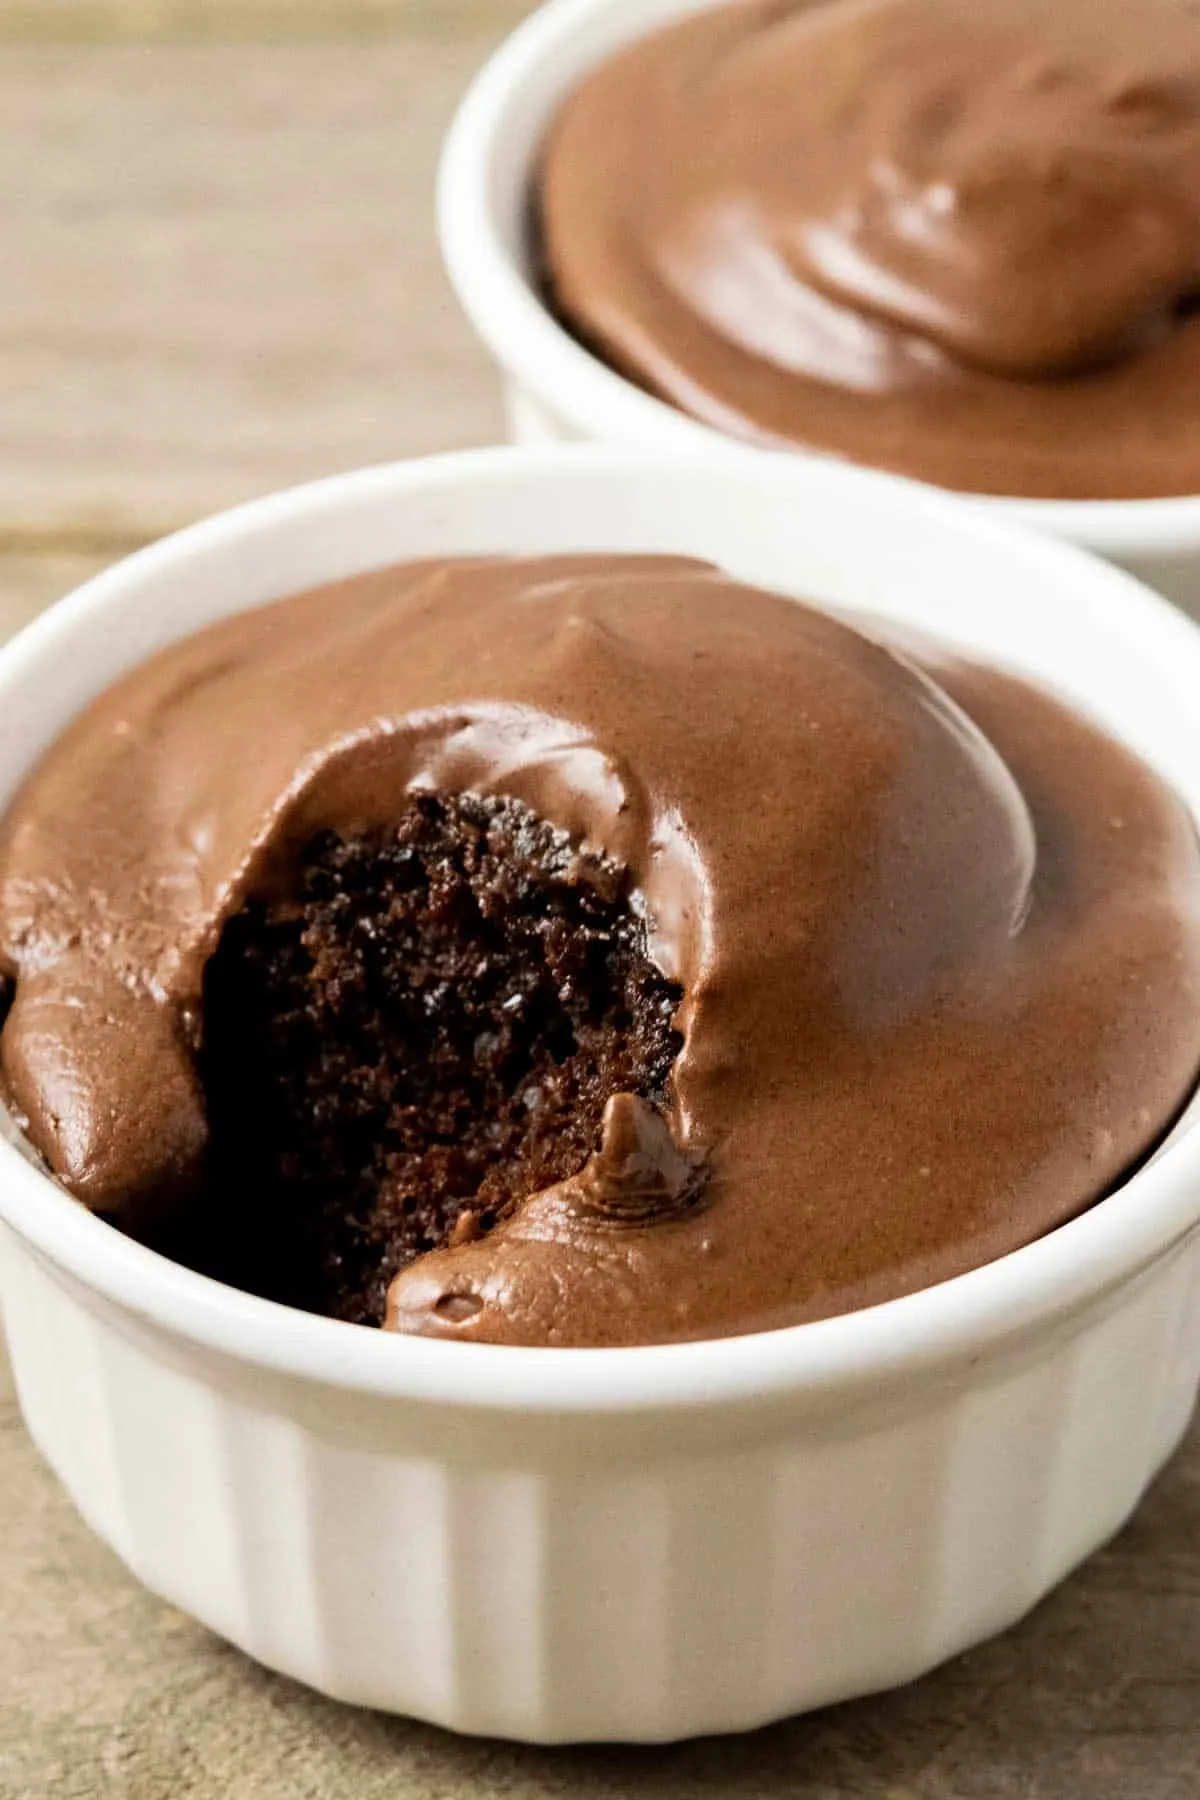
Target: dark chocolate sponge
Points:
(425, 1037)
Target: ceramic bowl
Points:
(558, 391)
(639, 1543)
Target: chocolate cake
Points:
(426, 1034)
(957, 241)
(589, 950)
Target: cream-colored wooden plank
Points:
(222, 275)
(103, 21)
(28, 584)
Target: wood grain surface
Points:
(220, 276)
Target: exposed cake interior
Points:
(425, 1036)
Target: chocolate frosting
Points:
(958, 241)
(939, 938)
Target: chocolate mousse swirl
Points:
(959, 241)
(930, 942)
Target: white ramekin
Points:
(558, 391)
(630, 1544)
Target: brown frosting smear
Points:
(957, 241)
(938, 937)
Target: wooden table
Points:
(220, 276)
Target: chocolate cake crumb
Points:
(425, 1036)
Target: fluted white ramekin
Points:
(645, 1543)
(558, 391)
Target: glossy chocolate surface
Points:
(957, 241)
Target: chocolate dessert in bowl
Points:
(955, 243)
(668, 943)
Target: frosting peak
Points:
(639, 1174)
(1017, 183)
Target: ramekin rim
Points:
(530, 343)
(1019, 1295)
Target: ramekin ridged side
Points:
(601, 1577)
(636, 1544)
(556, 391)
